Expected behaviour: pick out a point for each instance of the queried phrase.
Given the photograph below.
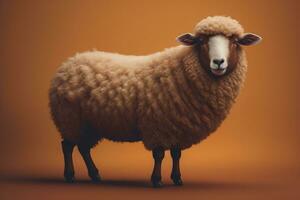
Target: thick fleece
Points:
(219, 25)
(165, 99)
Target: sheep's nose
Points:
(218, 61)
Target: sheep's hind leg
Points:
(158, 155)
(175, 175)
(67, 148)
(86, 155)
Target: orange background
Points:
(258, 142)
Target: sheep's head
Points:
(218, 42)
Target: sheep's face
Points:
(218, 54)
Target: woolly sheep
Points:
(169, 100)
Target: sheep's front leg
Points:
(158, 155)
(175, 175)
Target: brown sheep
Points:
(169, 100)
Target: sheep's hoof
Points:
(96, 178)
(157, 184)
(178, 182)
(70, 179)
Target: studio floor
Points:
(228, 184)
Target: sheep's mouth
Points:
(219, 71)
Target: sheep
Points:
(169, 100)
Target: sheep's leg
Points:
(86, 155)
(67, 148)
(158, 155)
(175, 175)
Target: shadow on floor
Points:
(201, 185)
(81, 182)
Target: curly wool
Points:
(219, 25)
(165, 99)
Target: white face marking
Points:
(218, 53)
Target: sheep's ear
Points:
(249, 39)
(187, 39)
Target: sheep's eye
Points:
(235, 41)
(202, 39)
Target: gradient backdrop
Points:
(258, 144)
